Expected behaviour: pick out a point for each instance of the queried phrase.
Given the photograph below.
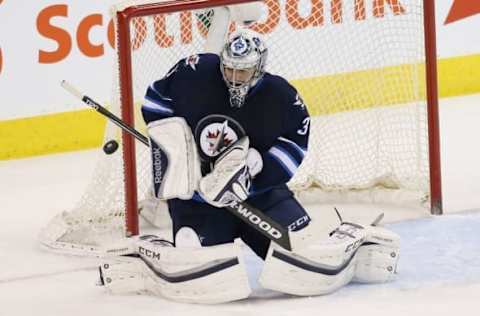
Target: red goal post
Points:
(436, 206)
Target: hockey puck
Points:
(110, 147)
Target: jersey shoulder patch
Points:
(192, 61)
(200, 62)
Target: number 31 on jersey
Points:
(304, 129)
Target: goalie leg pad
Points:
(206, 275)
(315, 269)
(175, 162)
(293, 274)
(195, 274)
(126, 275)
(378, 257)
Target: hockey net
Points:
(359, 66)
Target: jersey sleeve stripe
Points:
(284, 159)
(152, 88)
(151, 105)
(301, 151)
(293, 153)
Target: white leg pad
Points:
(319, 268)
(305, 277)
(206, 275)
(377, 259)
(124, 276)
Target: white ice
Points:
(439, 271)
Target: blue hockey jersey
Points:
(273, 116)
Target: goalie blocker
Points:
(175, 162)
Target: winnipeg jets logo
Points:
(299, 102)
(192, 61)
(215, 133)
(239, 47)
(217, 138)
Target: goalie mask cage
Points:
(366, 70)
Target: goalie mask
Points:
(242, 62)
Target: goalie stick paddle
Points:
(245, 212)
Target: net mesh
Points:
(359, 66)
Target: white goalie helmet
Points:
(242, 63)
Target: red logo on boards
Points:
(79, 28)
(462, 9)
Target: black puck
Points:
(110, 147)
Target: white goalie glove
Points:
(230, 179)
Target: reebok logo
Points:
(157, 165)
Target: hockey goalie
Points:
(222, 130)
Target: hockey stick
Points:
(247, 213)
(102, 110)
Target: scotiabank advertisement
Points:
(45, 41)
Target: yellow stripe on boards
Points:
(387, 86)
(52, 133)
(459, 75)
(362, 89)
(84, 129)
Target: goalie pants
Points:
(216, 226)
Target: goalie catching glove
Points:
(230, 179)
